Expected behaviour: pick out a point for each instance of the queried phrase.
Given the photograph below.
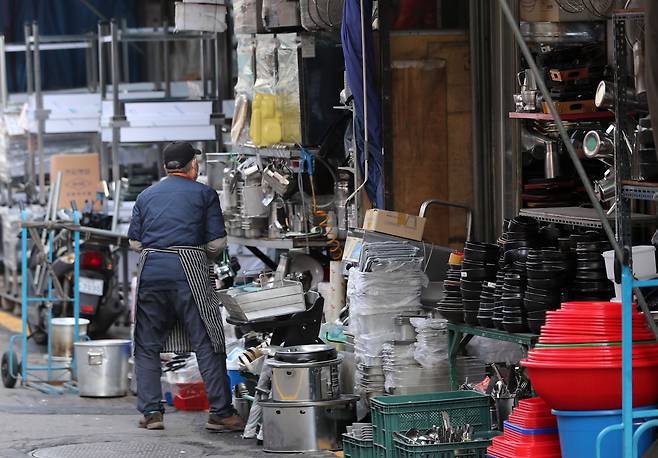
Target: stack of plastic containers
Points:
(576, 369)
(531, 431)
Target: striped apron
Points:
(195, 265)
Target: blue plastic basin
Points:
(579, 431)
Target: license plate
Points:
(91, 286)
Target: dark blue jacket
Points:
(174, 212)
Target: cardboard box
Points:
(395, 223)
(200, 17)
(80, 177)
(550, 11)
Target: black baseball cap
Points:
(178, 154)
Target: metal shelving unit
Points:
(577, 216)
(280, 244)
(627, 190)
(459, 335)
(639, 191)
(276, 151)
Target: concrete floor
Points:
(52, 426)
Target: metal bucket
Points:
(63, 330)
(103, 367)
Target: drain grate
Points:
(114, 449)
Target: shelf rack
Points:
(627, 190)
(459, 335)
(593, 116)
(577, 216)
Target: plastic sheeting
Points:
(352, 50)
(287, 87)
(11, 229)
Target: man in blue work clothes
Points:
(178, 227)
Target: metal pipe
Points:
(364, 76)
(165, 62)
(93, 56)
(41, 121)
(101, 61)
(3, 72)
(125, 67)
(203, 51)
(213, 67)
(469, 212)
(115, 70)
(29, 89)
(24, 298)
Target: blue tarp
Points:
(351, 40)
(64, 69)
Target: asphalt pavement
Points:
(66, 425)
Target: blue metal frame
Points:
(630, 439)
(27, 371)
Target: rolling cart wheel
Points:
(9, 380)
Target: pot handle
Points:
(95, 358)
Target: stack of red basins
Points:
(577, 363)
(530, 431)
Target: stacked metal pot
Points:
(307, 411)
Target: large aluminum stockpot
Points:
(63, 335)
(316, 381)
(102, 367)
(295, 427)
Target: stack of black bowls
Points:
(480, 265)
(547, 271)
(514, 315)
(498, 299)
(591, 282)
(521, 234)
(486, 311)
(451, 305)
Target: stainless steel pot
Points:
(307, 426)
(103, 367)
(63, 330)
(315, 381)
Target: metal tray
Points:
(264, 303)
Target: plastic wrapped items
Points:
(376, 299)
(280, 14)
(431, 347)
(247, 16)
(287, 88)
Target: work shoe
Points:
(232, 423)
(153, 420)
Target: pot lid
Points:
(306, 353)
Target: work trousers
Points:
(157, 312)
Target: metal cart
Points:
(12, 367)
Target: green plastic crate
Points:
(379, 451)
(473, 449)
(392, 414)
(357, 448)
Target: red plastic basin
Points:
(572, 387)
(595, 354)
(520, 449)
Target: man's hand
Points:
(136, 245)
(215, 247)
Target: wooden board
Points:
(420, 140)
(446, 143)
